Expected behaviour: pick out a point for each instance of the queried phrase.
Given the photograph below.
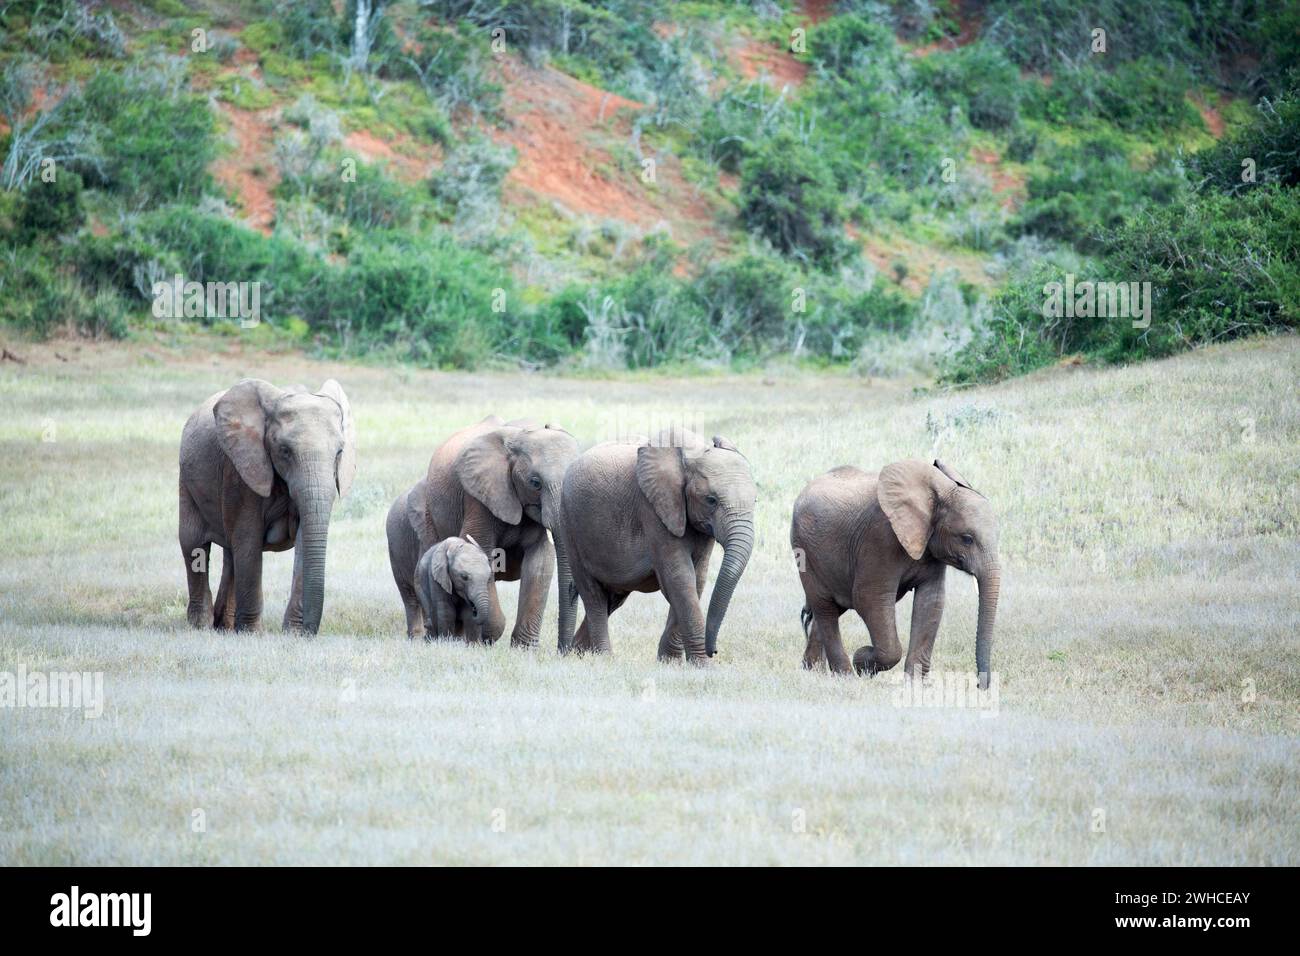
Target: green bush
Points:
(51, 208)
(1220, 267)
(1081, 191)
(155, 141)
(40, 295)
(1271, 143)
(977, 78)
(789, 196)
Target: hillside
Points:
(884, 186)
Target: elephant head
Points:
(460, 567)
(309, 441)
(707, 485)
(933, 510)
(516, 470)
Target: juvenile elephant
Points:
(500, 482)
(260, 468)
(865, 540)
(405, 520)
(453, 581)
(644, 518)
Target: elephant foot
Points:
(864, 661)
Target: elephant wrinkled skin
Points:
(499, 482)
(644, 518)
(864, 540)
(453, 582)
(260, 470)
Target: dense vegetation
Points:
(899, 145)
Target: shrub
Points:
(1220, 267)
(1085, 189)
(977, 78)
(1271, 142)
(51, 208)
(789, 196)
(140, 117)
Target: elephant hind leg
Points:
(813, 653)
(825, 631)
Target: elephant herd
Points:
(261, 468)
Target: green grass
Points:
(1149, 521)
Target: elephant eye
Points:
(711, 500)
(535, 483)
(464, 576)
(967, 539)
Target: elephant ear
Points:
(906, 494)
(438, 567)
(241, 429)
(347, 464)
(951, 473)
(661, 476)
(415, 504)
(483, 467)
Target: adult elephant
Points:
(260, 469)
(403, 525)
(644, 518)
(864, 540)
(499, 482)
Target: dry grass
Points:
(1150, 527)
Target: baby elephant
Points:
(453, 583)
(864, 540)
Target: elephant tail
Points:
(806, 619)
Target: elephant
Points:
(405, 520)
(644, 517)
(260, 470)
(453, 581)
(500, 482)
(864, 540)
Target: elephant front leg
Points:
(534, 585)
(248, 587)
(293, 610)
(671, 645)
(677, 581)
(196, 552)
(199, 608)
(223, 618)
(927, 610)
(876, 607)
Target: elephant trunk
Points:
(737, 540)
(491, 621)
(563, 576)
(315, 502)
(990, 582)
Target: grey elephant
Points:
(260, 470)
(644, 518)
(405, 520)
(864, 540)
(453, 581)
(500, 482)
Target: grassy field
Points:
(1148, 647)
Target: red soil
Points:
(562, 128)
(1010, 186)
(249, 171)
